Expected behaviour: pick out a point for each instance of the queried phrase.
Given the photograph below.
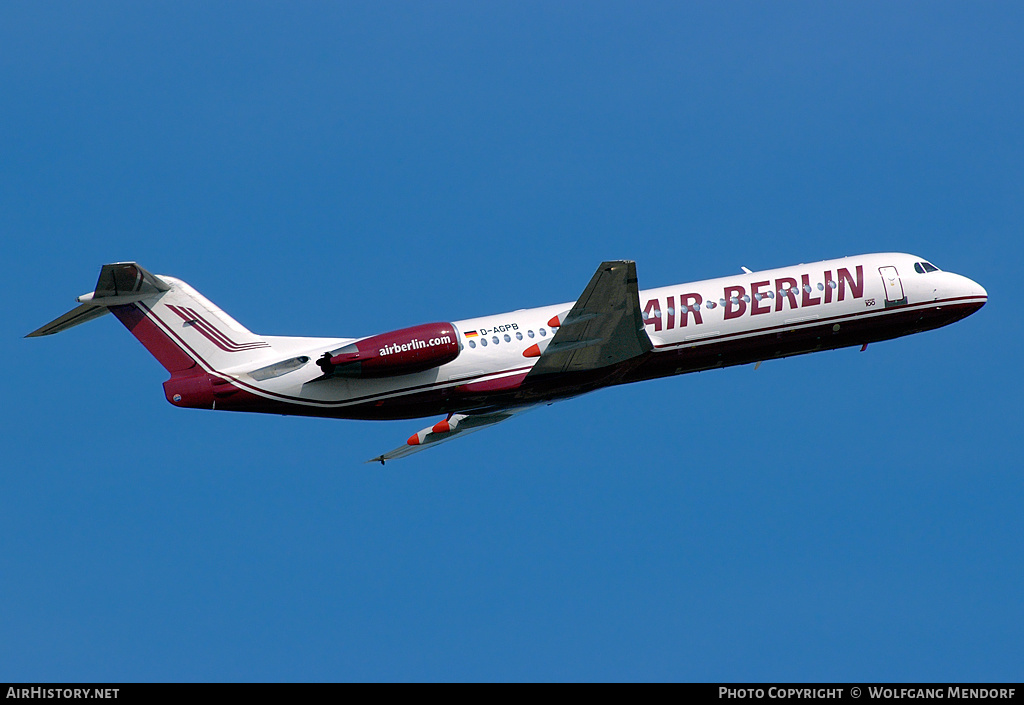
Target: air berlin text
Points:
(764, 297)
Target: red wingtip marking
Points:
(554, 322)
(442, 427)
(414, 439)
(532, 351)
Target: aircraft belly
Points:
(784, 341)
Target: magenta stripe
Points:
(197, 325)
(211, 333)
(221, 336)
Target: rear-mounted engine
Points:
(399, 352)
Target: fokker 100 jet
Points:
(481, 371)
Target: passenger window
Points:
(508, 339)
(519, 336)
(472, 344)
(494, 340)
(543, 332)
(483, 341)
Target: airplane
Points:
(481, 371)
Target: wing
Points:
(456, 425)
(604, 327)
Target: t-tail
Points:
(191, 337)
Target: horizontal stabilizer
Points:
(78, 315)
(118, 283)
(122, 283)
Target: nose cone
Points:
(969, 294)
(970, 289)
(977, 290)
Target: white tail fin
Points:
(203, 331)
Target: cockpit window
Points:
(919, 267)
(924, 267)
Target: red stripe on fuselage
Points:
(731, 349)
(305, 401)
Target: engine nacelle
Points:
(400, 352)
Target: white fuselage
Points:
(685, 317)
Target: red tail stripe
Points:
(208, 327)
(167, 352)
(221, 336)
(203, 326)
(198, 326)
(211, 333)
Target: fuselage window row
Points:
(508, 338)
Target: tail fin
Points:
(180, 327)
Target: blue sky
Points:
(346, 169)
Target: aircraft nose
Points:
(974, 289)
(970, 294)
(980, 290)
